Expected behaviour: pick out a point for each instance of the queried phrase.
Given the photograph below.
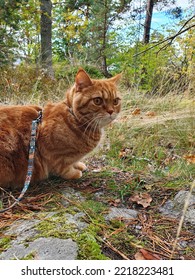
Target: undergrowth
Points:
(27, 84)
(158, 144)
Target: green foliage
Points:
(67, 72)
(152, 71)
(9, 20)
(83, 35)
(101, 37)
(19, 28)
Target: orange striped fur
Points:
(69, 130)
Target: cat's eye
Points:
(116, 101)
(98, 101)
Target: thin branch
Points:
(169, 39)
(186, 22)
(178, 33)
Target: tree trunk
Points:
(105, 67)
(148, 20)
(104, 42)
(46, 35)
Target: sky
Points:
(160, 19)
(183, 3)
(161, 22)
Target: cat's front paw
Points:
(72, 174)
(74, 171)
(80, 166)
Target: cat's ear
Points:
(116, 78)
(82, 80)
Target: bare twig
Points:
(109, 245)
(9, 194)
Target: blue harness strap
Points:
(31, 157)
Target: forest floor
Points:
(129, 202)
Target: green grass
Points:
(154, 150)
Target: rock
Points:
(71, 195)
(23, 229)
(77, 220)
(54, 249)
(43, 249)
(174, 208)
(124, 213)
(180, 199)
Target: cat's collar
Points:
(70, 109)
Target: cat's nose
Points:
(110, 111)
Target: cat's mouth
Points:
(99, 121)
(107, 120)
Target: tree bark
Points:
(46, 36)
(148, 20)
(104, 65)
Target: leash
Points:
(31, 157)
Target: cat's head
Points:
(94, 102)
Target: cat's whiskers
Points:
(91, 134)
(90, 124)
(97, 124)
(85, 123)
(93, 128)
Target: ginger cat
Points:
(69, 130)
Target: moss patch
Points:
(56, 226)
(30, 256)
(89, 249)
(5, 243)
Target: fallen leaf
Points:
(143, 254)
(150, 114)
(124, 153)
(114, 202)
(137, 111)
(139, 256)
(149, 256)
(143, 198)
(189, 158)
